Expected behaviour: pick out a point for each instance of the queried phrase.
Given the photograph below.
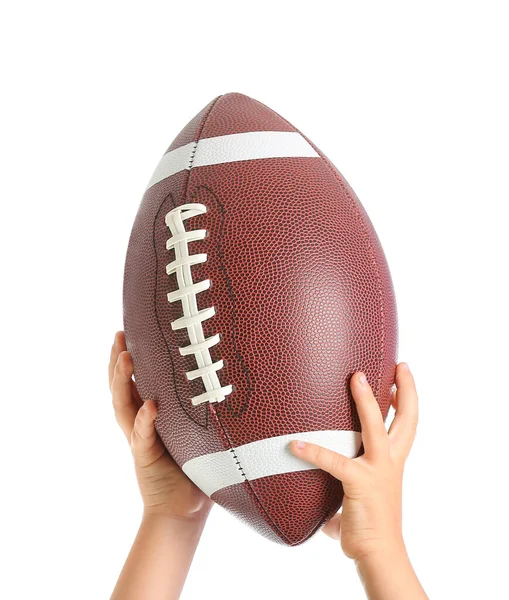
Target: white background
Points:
(410, 101)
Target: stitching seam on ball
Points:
(250, 489)
(213, 408)
(192, 155)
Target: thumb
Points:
(146, 445)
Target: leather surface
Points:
(282, 516)
(303, 299)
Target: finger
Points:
(123, 402)
(333, 527)
(374, 434)
(117, 347)
(145, 443)
(339, 466)
(394, 398)
(403, 428)
(136, 394)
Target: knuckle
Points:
(319, 454)
(142, 431)
(138, 425)
(337, 463)
(116, 400)
(135, 438)
(121, 366)
(128, 362)
(117, 371)
(124, 366)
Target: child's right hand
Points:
(370, 522)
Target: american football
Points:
(255, 285)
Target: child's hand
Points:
(370, 521)
(164, 488)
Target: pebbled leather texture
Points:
(303, 299)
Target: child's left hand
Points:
(164, 487)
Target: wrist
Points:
(391, 552)
(179, 527)
(389, 573)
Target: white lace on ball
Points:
(193, 318)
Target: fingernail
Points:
(144, 406)
(362, 379)
(404, 365)
(299, 445)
